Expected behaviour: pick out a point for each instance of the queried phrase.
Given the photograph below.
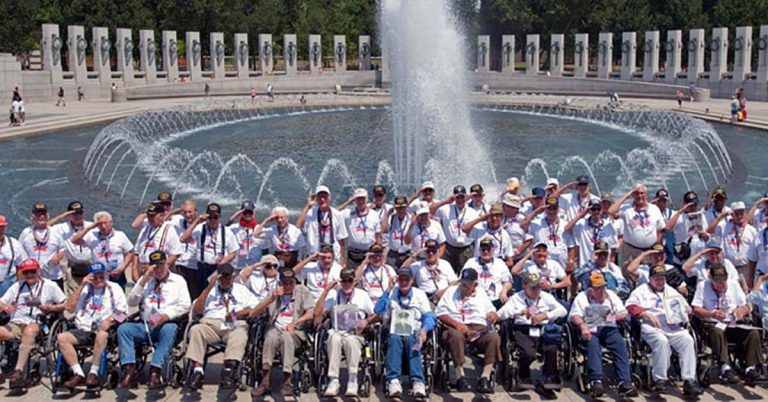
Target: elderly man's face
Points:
(467, 288)
(325, 259)
(282, 220)
(532, 291)
(640, 196)
(77, 218)
(361, 203)
(404, 283)
(657, 282)
(540, 255)
(189, 213)
(323, 199)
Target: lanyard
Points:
(400, 228)
(347, 299)
(459, 219)
(40, 243)
(325, 224)
(597, 228)
(553, 231)
(361, 223)
(282, 238)
(151, 236)
(157, 291)
(39, 285)
(379, 279)
(737, 233)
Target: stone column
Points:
(532, 54)
(507, 53)
(673, 47)
(364, 53)
(581, 55)
(78, 46)
(101, 48)
(290, 53)
(605, 55)
(170, 56)
(650, 55)
(217, 55)
(483, 53)
(124, 48)
(241, 54)
(51, 43)
(742, 47)
(147, 53)
(628, 55)
(556, 54)
(266, 54)
(315, 53)
(696, 49)
(762, 59)
(340, 53)
(718, 47)
(194, 55)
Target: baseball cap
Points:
(597, 279)
(225, 269)
(360, 193)
(288, 274)
(30, 264)
(322, 189)
(428, 185)
(247, 206)
(269, 258)
(541, 244)
(582, 179)
(486, 242)
(346, 274)
(405, 271)
(213, 209)
(714, 242)
(738, 206)
(165, 197)
(476, 188)
(154, 208)
(601, 247)
(538, 192)
(606, 197)
(376, 248)
(431, 243)
(662, 194)
(400, 201)
(75, 206)
(531, 278)
(690, 197)
(326, 248)
(658, 248)
(657, 270)
(39, 207)
(513, 183)
(551, 201)
(594, 204)
(469, 275)
(512, 200)
(157, 257)
(3, 221)
(552, 182)
(422, 210)
(379, 190)
(97, 268)
(459, 189)
(496, 209)
(719, 192)
(717, 272)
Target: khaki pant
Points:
(488, 344)
(351, 345)
(627, 253)
(209, 331)
(279, 341)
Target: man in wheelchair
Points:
(720, 304)
(162, 297)
(534, 313)
(289, 306)
(411, 319)
(467, 313)
(24, 301)
(224, 306)
(98, 304)
(664, 314)
(350, 309)
(596, 312)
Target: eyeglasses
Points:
(270, 266)
(347, 280)
(485, 248)
(431, 250)
(29, 273)
(213, 217)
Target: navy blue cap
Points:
(469, 275)
(405, 271)
(583, 179)
(97, 268)
(538, 192)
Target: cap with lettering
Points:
(531, 278)
(75, 206)
(247, 206)
(39, 207)
(431, 243)
(379, 190)
(583, 179)
(486, 242)
(459, 189)
(165, 197)
(601, 247)
(551, 201)
(154, 208)
(376, 248)
(469, 275)
(213, 209)
(717, 272)
(360, 193)
(288, 275)
(405, 271)
(157, 257)
(657, 270)
(658, 248)
(496, 209)
(347, 274)
(662, 194)
(719, 192)
(476, 188)
(400, 201)
(597, 280)
(690, 197)
(97, 268)
(30, 264)
(538, 192)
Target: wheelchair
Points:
(371, 336)
(509, 367)
(581, 369)
(109, 366)
(429, 355)
(173, 372)
(304, 371)
(41, 359)
(443, 361)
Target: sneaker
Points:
(462, 385)
(752, 377)
(659, 386)
(597, 389)
(545, 392)
(628, 390)
(691, 388)
(16, 380)
(730, 377)
(92, 381)
(196, 380)
(333, 388)
(419, 390)
(484, 386)
(394, 389)
(351, 388)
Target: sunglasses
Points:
(213, 217)
(347, 280)
(32, 272)
(485, 248)
(270, 266)
(431, 250)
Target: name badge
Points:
(461, 239)
(534, 332)
(721, 326)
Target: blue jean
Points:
(397, 346)
(130, 333)
(6, 284)
(614, 342)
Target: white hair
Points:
(102, 214)
(279, 211)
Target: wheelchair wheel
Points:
(581, 379)
(566, 357)
(306, 380)
(637, 380)
(365, 390)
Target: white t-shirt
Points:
(188, 257)
(217, 244)
(260, 285)
(97, 305)
(491, 276)
(42, 245)
(466, 310)
(546, 303)
(74, 252)
(248, 246)
(218, 303)
(554, 235)
(11, 254)
(109, 250)
(760, 218)
(452, 220)
(422, 233)
(163, 238)
(375, 281)
(397, 230)
(517, 235)
(707, 298)
(332, 226)
(701, 270)
(736, 241)
(758, 251)
(415, 300)
(361, 228)
(27, 299)
(552, 271)
(687, 230)
(317, 279)
(641, 227)
(286, 311)
(582, 305)
(668, 306)
(587, 233)
(289, 239)
(170, 297)
(572, 205)
(359, 298)
(430, 279)
(501, 242)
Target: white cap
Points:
(360, 192)
(428, 184)
(738, 206)
(268, 258)
(512, 200)
(322, 189)
(422, 210)
(552, 181)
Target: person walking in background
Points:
(734, 109)
(691, 91)
(271, 92)
(80, 94)
(253, 94)
(61, 97)
(680, 97)
(207, 90)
